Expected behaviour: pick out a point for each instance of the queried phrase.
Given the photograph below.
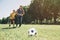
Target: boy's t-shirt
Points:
(12, 15)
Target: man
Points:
(20, 13)
(12, 18)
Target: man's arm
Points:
(17, 11)
(23, 12)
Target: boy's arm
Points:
(10, 14)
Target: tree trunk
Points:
(54, 20)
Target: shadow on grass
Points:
(44, 24)
(9, 28)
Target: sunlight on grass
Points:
(45, 32)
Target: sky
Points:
(6, 6)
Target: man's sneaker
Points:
(20, 25)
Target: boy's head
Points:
(13, 10)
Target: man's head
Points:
(20, 7)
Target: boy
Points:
(12, 18)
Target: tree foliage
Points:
(45, 9)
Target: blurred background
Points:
(36, 11)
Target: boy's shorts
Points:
(11, 20)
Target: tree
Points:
(27, 18)
(3, 21)
(40, 9)
(0, 21)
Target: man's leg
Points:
(20, 21)
(16, 20)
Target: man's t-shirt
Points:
(19, 11)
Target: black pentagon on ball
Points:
(32, 31)
(35, 33)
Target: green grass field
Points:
(45, 32)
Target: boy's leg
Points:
(13, 22)
(9, 22)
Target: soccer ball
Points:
(32, 32)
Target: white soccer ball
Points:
(32, 32)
